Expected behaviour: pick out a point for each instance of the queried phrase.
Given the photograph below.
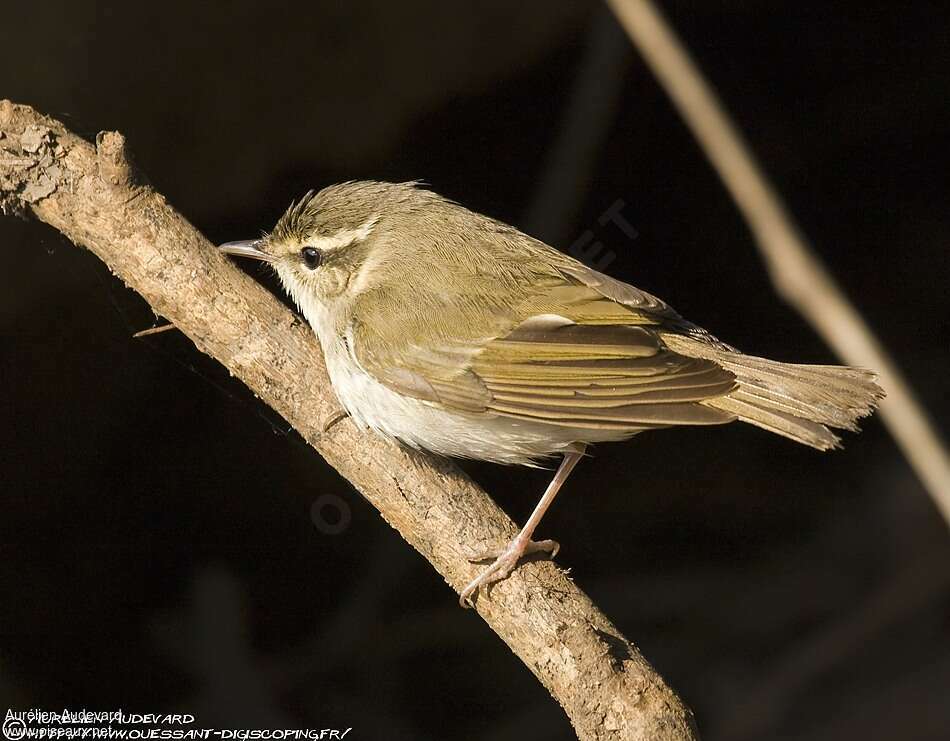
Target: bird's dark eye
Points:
(311, 257)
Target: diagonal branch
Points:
(796, 271)
(91, 195)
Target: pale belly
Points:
(424, 425)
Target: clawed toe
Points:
(481, 556)
(551, 547)
(504, 563)
(335, 418)
(532, 546)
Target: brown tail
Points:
(797, 401)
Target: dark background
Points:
(157, 549)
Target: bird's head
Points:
(326, 244)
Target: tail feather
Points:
(798, 401)
(798, 429)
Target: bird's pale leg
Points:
(521, 544)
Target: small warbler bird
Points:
(454, 333)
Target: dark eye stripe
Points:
(311, 257)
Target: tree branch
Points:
(91, 195)
(796, 271)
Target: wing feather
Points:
(584, 354)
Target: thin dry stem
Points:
(796, 272)
(153, 330)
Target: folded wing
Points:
(577, 359)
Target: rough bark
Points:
(92, 195)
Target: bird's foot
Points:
(338, 416)
(504, 563)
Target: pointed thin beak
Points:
(246, 248)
